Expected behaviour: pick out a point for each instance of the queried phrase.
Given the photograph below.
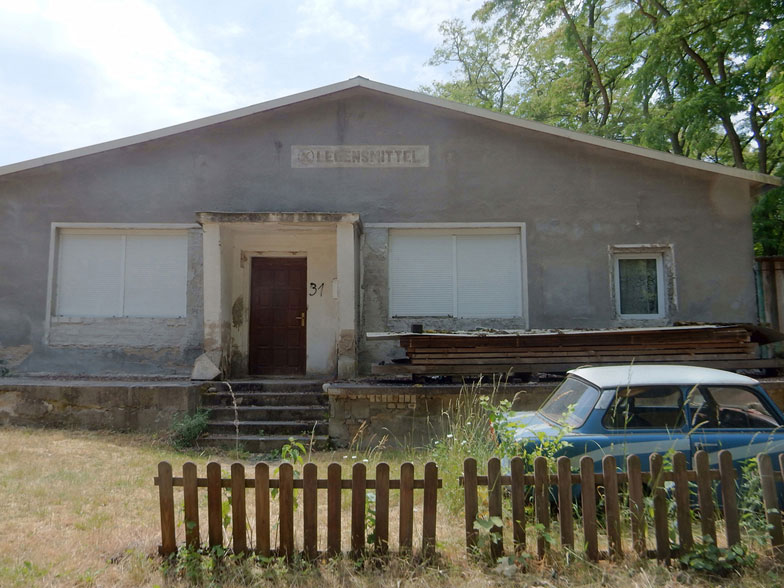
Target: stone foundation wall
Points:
(408, 416)
(119, 406)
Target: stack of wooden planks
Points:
(727, 347)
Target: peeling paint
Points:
(237, 312)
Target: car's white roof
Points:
(650, 375)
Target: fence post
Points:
(729, 497)
(612, 508)
(659, 507)
(406, 534)
(705, 495)
(214, 504)
(310, 510)
(541, 502)
(286, 509)
(634, 473)
(770, 499)
(494, 505)
(334, 506)
(565, 516)
(382, 509)
(682, 501)
(429, 506)
(190, 492)
(358, 497)
(239, 542)
(262, 510)
(471, 503)
(166, 498)
(518, 503)
(588, 495)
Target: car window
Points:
(730, 407)
(645, 407)
(570, 403)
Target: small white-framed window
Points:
(121, 273)
(640, 291)
(463, 273)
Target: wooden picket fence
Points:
(309, 484)
(545, 486)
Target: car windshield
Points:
(570, 403)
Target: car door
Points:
(738, 418)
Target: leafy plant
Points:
(708, 558)
(750, 504)
(489, 532)
(187, 428)
(293, 452)
(370, 516)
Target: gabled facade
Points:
(275, 237)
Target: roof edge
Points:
(744, 174)
(755, 178)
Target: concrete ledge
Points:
(143, 406)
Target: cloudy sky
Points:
(78, 72)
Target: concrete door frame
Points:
(230, 239)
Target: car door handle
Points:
(706, 446)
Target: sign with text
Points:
(360, 156)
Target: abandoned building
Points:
(274, 238)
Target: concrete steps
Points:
(267, 413)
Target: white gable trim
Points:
(754, 178)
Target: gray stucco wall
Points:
(575, 199)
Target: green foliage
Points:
(503, 430)
(768, 223)
(187, 428)
(700, 79)
(370, 516)
(489, 532)
(707, 558)
(293, 452)
(750, 504)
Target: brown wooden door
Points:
(278, 307)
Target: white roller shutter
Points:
(421, 275)
(488, 276)
(156, 269)
(122, 273)
(89, 276)
(471, 274)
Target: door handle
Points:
(301, 319)
(706, 446)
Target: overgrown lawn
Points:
(80, 509)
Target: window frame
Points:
(762, 399)
(665, 279)
(456, 230)
(58, 228)
(612, 407)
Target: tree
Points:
(700, 79)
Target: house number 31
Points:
(316, 289)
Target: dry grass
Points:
(80, 509)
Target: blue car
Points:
(645, 409)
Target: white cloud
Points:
(78, 72)
(323, 20)
(230, 30)
(142, 74)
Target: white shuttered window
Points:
(466, 274)
(116, 274)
